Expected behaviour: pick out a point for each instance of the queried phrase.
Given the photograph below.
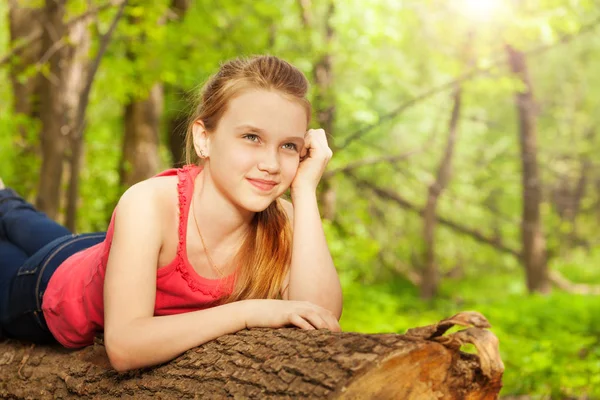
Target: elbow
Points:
(119, 365)
(337, 312)
(338, 305)
(117, 353)
(335, 306)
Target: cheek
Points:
(240, 158)
(289, 167)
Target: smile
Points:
(265, 186)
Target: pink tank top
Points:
(73, 301)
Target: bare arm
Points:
(312, 275)
(134, 337)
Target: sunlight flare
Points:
(481, 9)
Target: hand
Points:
(280, 313)
(313, 160)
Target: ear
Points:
(201, 139)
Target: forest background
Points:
(463, 131)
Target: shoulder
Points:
(154, 198)
(153, 191)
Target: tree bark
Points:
(177, 121)
(533, 241)
(177, 126)
(140, 159)
(324, 100)
(24, 22)
(54, 122)
(430, 272)
(77, 123)
(20, 27)
(275, 363)
(79, 41)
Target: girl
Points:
(193, 253)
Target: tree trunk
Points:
(55, 129)
(177, 121)
(430, 277)
(533, 241)
(77, 123)
(275, 363)
(324, 100)
(23, 23)
(21, 27)
(79, 47)
(177, 126)
(140, 159)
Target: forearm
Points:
(154, 340)
(313, 276)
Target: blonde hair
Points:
(265, 255)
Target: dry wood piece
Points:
(274, 363)
(575, 288)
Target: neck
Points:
(223, 224)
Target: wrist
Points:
(303, 193)
(246, 312)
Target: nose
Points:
(269, 162)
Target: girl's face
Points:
(254, 153)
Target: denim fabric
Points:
(25, 227)
(32, 246)
(21, 316)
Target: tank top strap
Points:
(111, 226)
(185, 191)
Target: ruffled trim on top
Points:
(209, 287)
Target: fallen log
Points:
(274, 363)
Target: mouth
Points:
(263, 185)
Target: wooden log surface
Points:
(274, 363)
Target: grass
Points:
(550, 344)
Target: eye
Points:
(252, 137)
(291, 146)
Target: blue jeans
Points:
(32, 247)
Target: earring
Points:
(202, 154)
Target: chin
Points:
(256, 204)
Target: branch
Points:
(370, 161)
(85, 94)
(402, 202)
(36, 35)
(407, 272)
(575, 288)
(467, 76)
(79, 124)
(305, 14)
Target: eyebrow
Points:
(262, 131)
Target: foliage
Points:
(550, 345)
(385, 54)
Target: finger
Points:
(319, 140)
(316, 320)
(331, 321)
(301, 322)
(320, 137)
(307, 145)
(334, 324)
